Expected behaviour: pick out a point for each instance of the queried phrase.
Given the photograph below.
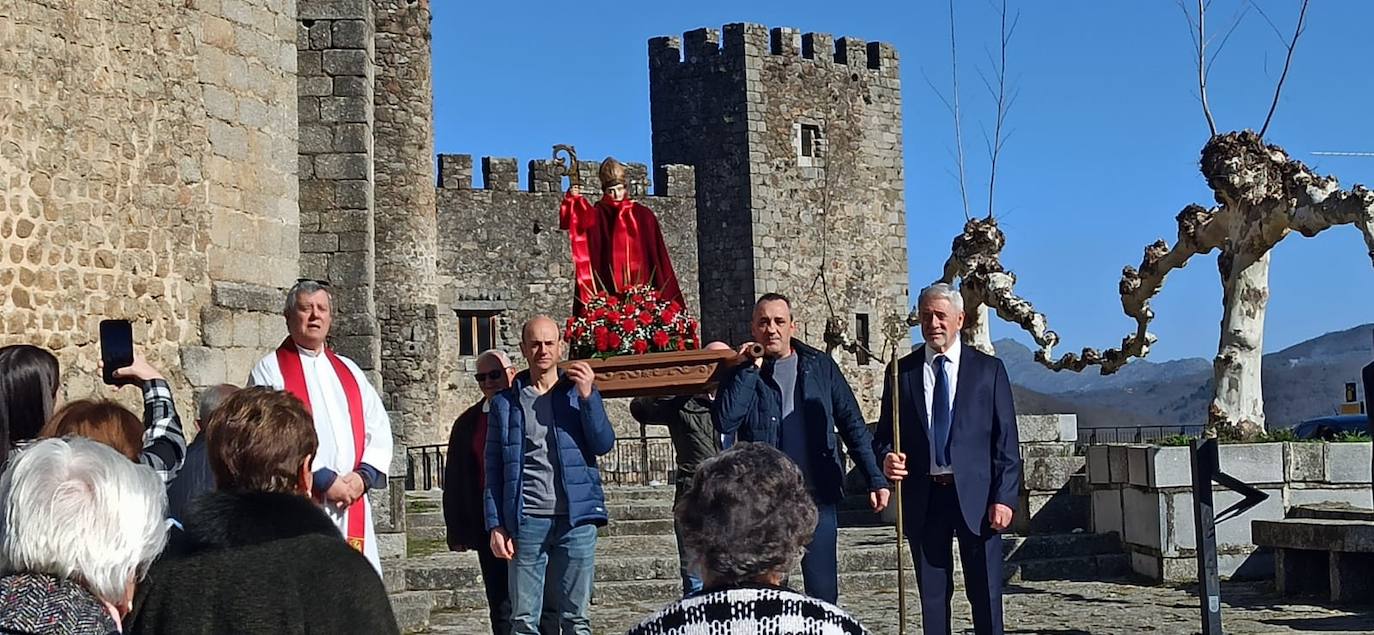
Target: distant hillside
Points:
(1302, 381)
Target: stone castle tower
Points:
(797, 144)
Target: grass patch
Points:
(420, 505)
(421, 547)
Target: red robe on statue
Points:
(616, 245)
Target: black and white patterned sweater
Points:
(750, 610)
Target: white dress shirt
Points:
(952, 374)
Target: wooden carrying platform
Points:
(660, 374)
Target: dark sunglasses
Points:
(323, 283)
(493, 375)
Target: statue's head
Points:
(1242, 169)
(613, 179)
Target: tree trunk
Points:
(1237, 409)
(978, 333)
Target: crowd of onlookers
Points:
(110, 523)
(89, 543)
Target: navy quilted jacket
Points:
(583, 433)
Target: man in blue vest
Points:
(795, 398)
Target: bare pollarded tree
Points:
(1262, 195)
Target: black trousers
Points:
(495, 577)
(981, 556)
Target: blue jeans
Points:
(690, 582)
(549, 546)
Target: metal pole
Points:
(1206, 461)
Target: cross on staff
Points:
(896, 329)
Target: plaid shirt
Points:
(164, 444)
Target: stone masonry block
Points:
(350, 34)
(344, 62)
(341, 166)
(1144, 513)
(500, 174)
(246, 330)
(1050, 473)
(1253, 462)
(455, 171)
(246, 297)
(349, 85)
(217, 326)
(1099, 472)
(1107, 511)
(1304, 461)
(352, 137)
(1348, 462)
(333, 9)
(203, 366)
(1046, 428)
(1118, 463)
(1230, 533)
(344, 109)
(1158, 467)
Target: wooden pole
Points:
(897, 329)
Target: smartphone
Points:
(116, 347)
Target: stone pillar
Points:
(335, 73)
(406, 231)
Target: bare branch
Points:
(1202, 64)
(1002, 104)
(1287, 62)
(1277, 33)
(1235, 22)
(958, 127)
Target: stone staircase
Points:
(637, 559)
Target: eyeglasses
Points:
(491, 376)
(323, 283)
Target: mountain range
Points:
(1302, 381)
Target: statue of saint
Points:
(616, 243)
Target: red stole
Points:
(293, 376)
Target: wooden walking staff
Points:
(897, 329)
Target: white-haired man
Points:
(964, 477)
(353, 428)
(79, 525)
(464, 512)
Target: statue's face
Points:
(616, 192)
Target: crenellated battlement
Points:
(741, 41)
(502, 174)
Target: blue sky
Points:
(1103, 152)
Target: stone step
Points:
(640, 511)
(634, 495)
(394, 576)
(656, 527)
(424, 519)
(412, 609)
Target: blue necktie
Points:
(939, 415)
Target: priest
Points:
(616, 243)
(352, 426)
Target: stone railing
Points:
(1144, 493)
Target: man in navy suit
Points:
(795, 398)
(959, 428)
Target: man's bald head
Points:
(719, 346)
(541, 344)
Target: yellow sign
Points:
(1352, 408)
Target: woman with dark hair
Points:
(28, 391)
(745, 521)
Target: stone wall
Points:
(825, 226)
(336, 76)
(148, 160)
(500, 250)
(1144, 493)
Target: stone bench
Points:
(1322, 550)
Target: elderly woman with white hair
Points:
(79, 526)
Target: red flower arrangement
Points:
(633, 323)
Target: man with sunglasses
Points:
(352, 426)
(464, 514)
